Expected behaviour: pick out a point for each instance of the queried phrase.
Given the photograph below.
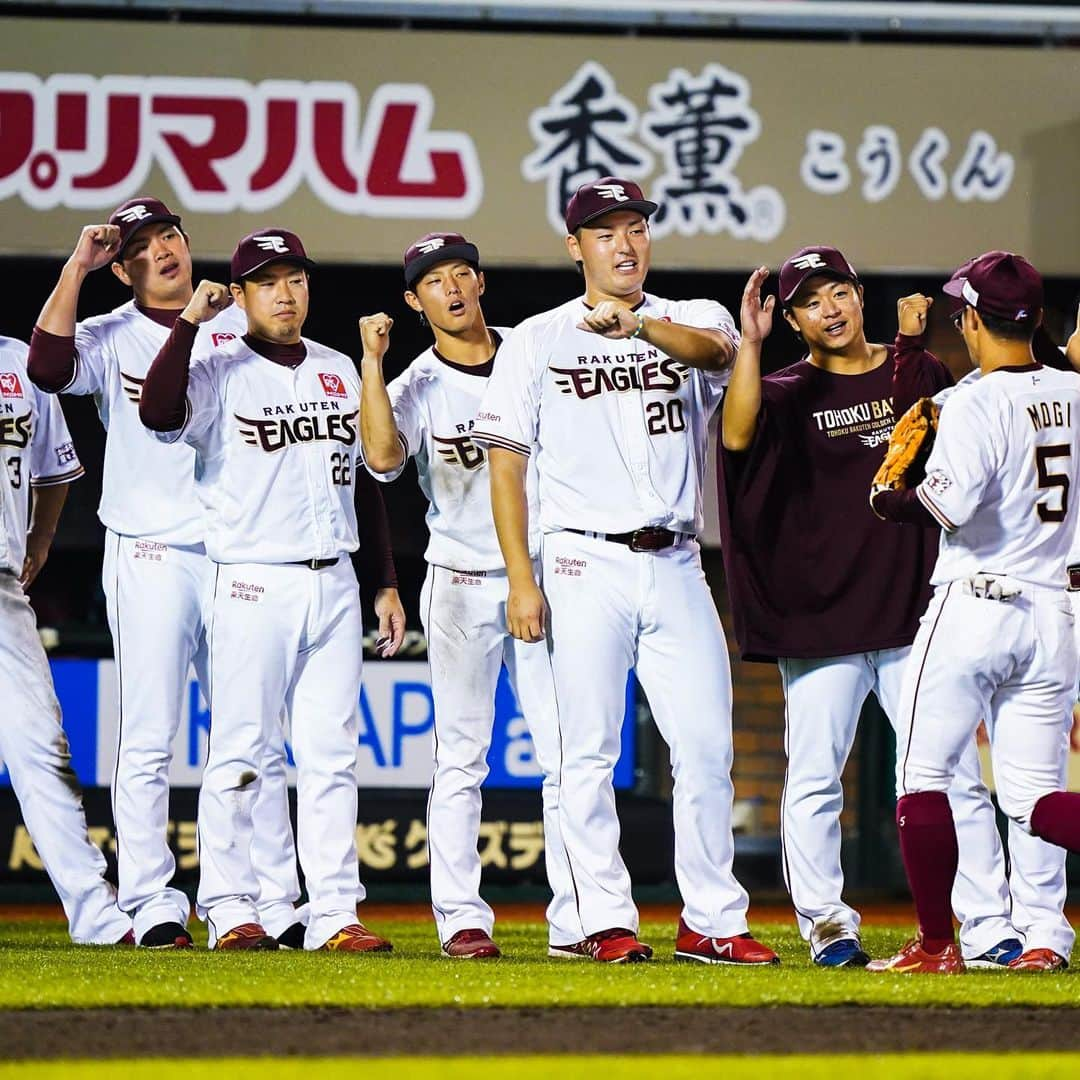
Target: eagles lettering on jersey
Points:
(16, 431)
(460, 451)
(281, 432)
(664, 375)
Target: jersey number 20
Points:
(1048, 479)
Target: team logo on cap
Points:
(426, 247)
(275, 244)
(332, 385)
(808, 262)
(612, 191)
(134, 213)
(9, 385)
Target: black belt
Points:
(651, 538)
(1074, 577)
(315, 564)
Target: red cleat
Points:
(127, 939)
(616, 946)
(1039, 960)
(741, 949)
(913, 959)
(246, 936)
(356, 938)
(471, 945)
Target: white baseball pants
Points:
(1014, 664)
(34, 748)
(613, 609)
(823, 700)
(157, 599)
(464, 617)
(283, 637)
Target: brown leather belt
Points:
(652, 538)
(315, 564)
(1074, 577)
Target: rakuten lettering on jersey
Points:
(82, 142)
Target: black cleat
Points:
(293, 938)
(166, 935)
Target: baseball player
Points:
(1037, 881)
(612, 392)
(273, 420)
(427, 413)
(828, 590)
(996, 641)
(156, 575)
(36, 452)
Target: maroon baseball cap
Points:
(1000, 284)
(956, 303)
(602, 196)
(259, 249)
(437, 247)
(131, 216)
(808, 262)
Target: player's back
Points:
(1011, 455)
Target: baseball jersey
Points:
(434, 406)
(275, 452)
(619, 429)
(1002, 477)
(147, 489)
(35, 450)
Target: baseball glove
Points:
(909, 447)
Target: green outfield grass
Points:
(40, 969)
(822, 1067)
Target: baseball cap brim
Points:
(297, 260)
(817, 271)
(955, 287)
(642, 206)
(466, 252)
(153, 219)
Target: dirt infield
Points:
(113, 1033)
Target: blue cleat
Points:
(847, 952)
(999, 957)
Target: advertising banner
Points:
(397, 718)
(906, 156)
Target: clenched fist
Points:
(912, 313)
(610, 319)
(375, 335)
(96, 247)
(210, 299)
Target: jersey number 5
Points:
(1048, 479)
(340, 470)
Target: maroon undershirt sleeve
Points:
(916, 373)
(373, 525)
(903, 507)
(164, 394)
(51, 361)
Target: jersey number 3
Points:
(1048, 479)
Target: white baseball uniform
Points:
(1037, 879)
(619, 431)
(276, 449)
(463, 608)
(36, 451)
(997, 640)
(158, 581)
